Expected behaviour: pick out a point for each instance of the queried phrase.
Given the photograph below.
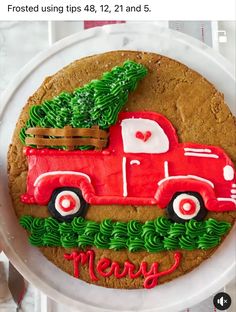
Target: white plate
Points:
(173, 296)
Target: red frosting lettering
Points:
(102, 266)
(106, 268)
(83, 258)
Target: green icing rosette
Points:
(52, 239)
(78, 225)
(162, 225)
(207, 241)
(120, 229)
(51, 225)
(217, 228)
(148, 228)
(176, 230)
(106, 227)
(171, 243)
(26, 222)
(85, 240)
(101, 241)
(36, 240)
(37, 226)
(134, 228)
(69, 240)
(118, 243)
(92, 228)
(153, 243)
(188, 242)
(135, 244)
(195, 228)
(65, 228)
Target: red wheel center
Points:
(187, 206)
(67, 202)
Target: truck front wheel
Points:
(185, 206)
(67, 203)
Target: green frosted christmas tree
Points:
(96, 103)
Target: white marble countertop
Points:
(19, 42)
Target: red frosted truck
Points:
(143, 164)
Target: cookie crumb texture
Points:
(191, 103)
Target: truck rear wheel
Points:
(185, 206)
(67, 203)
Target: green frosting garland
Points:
(97, 103)
(153, 236)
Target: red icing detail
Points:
(152, 280)
(191, 204)
(72, 202)
(106, 268)
(143, 136)
(27, 199)
(83, 258)
(184, 167)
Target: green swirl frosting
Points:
(85, 240)
(195, 228)
(135, 244)
(97, 103)
(148, 228)
(118, 243)
(120, 229)
(26, 222)
(78, 225)
(51, 239)
(188, 243)
(217, 228)
(69, 240)
(171, 243)
(92, 228)
(134, 228)
(102, 241)
(106, 227)
(176, 230)
(51, 225)
(208, 241)
(153, 236)
(65, 228)
(162, 225)
(153, 243)
(38, 226)
(36, 240)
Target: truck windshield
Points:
(141, 135)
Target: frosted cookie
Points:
(121, 169)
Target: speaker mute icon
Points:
(222, 301)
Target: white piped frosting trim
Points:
(176, 206)
(58, 206)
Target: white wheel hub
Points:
(67, 203)
(186, 206)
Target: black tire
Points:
(176, 218)
(56, 214)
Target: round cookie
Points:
(196, 110)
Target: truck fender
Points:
(46, 183)
(168, 188)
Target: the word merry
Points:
(105, 267)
